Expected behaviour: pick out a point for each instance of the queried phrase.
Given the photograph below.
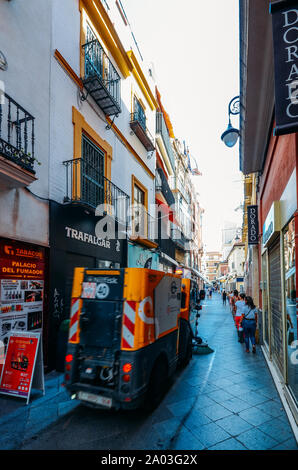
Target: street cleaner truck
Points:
(124, 336)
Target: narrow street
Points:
(223, 400)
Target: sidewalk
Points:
(19, 422)
(226, 400)
(232, 402)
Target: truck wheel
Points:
(157, 385)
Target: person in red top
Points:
(239, 305)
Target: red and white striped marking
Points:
(128, 330)
(74, 320)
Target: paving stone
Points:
(195, 419)
(290, 444)
(277, 429)
(234, 425)
(181, 408)
(216, 411)
(254, 439)
(254, 416)
(253, 398)
(221, 383)
(210, 434)
(186, 441)
(229, 444)
(271, 408)
(220, 395)
(165, 430)
(203, 401)
(235, 405)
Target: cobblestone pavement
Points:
(226, 400)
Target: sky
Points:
(194, 46)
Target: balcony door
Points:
(92, 174)
(139, 214)
(139, 113)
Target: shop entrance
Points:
(74, 261)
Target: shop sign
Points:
(253, 226)
(139, 257)
(88, 238)
(285, 41)
(23, 366)
(272, 223)
(73, 230)
(22, 270)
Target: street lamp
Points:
(230, 135)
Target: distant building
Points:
(212, 260)
(236, 258)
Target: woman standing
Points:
(249, 323)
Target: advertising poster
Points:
(18, 368)
(21, 288)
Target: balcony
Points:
(162, 185)
(176, 184)
(101, 78)
(143, 226)
(138, 125)
(16, 144)
(164, 142)
(179, 239)
(86, 186)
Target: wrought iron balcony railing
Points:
(179, 239)
(161, 129)
(101, 78)
(162, 185)
(85, 185)
(142, 224)
(175, 184)
(16, 133)
(138, 125)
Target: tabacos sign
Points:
(272, 223)
(285, 42)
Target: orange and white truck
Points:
(125, 336)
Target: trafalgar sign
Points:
(285, 43)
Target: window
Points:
(139, 113)
(139, 210)
(139, 195)
(92, 174)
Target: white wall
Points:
(66, 38)
(25, 40)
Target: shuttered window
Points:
(276, 306)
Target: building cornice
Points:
(142, 81)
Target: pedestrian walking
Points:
(234, 299)
(230, 295)
(249, 323)
(239, 310)
(224, 297)
(210, 294)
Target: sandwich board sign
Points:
(23, 366)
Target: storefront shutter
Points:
(276, 306)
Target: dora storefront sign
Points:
(22, 271)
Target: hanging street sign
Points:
(253, 226)
(285, 43)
